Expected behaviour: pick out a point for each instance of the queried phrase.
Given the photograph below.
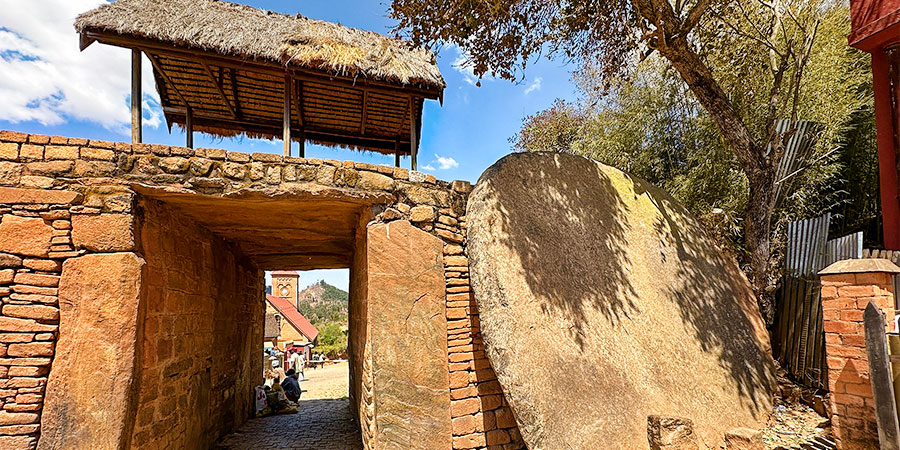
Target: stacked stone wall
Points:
(35, 238)
(104, 175)
(202, 329)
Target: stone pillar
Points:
(847, 288)
(89, 400)
(407, 320)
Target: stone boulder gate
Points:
(132, 275)
(132, 282)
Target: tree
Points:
(500, 36)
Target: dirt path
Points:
(331, 381)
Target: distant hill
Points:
(326, 307)
(323, 302)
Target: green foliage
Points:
(648, 123)
(329, 316)
(332, 339)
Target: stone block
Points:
(98, 153)
(13, 324)
(238, 157)
(257, 171)
(94, 168)
(36, 279)
(99, 297)
(266, 157)
(103, 233)
(671, 433)
(39, 312)
(29, 236)
(413, 402)
(10, 173)
(50, 168)
(33, 182)
(9, 151)
(10, 261)
(421, 214)
(372, 180)
(42, 265)
(30, 349)
(174, 164)
(744, 439)
(60, 152)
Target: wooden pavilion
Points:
(228, 69)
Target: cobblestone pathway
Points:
(319, 425)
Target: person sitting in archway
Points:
(291, 385)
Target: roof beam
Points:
(365, 112)
(162, 73)
(218, 86)
(234, 93)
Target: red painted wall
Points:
(876, 24)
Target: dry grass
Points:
(249, 33)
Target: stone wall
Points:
(35, 238)
(847, 289)
(202, 333)
(103, 178)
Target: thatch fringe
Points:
(245, 32)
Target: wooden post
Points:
(136, 96)
(397, 153)
(413, 134)
(189, 127)
(287, 115)
(302, 136)
(880, 376)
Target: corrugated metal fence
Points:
(798, 336)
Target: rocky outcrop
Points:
(603, 302)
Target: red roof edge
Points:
(289, 311)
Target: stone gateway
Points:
(603, 302)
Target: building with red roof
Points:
(294, 329)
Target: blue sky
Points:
(47, 86)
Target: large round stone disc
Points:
(602, 301)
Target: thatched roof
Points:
(244, 32)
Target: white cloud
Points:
(441, 162)
(45, 78)
(534, 86)
(446, 163)
(463, 64)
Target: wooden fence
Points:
(883, 362)
(798, 336)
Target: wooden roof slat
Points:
(231, 98)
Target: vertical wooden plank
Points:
(189, 128)
(413, 134)
(136, 97)
(880, 377)
(397, 153)
(302, 137)
(287, 116)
